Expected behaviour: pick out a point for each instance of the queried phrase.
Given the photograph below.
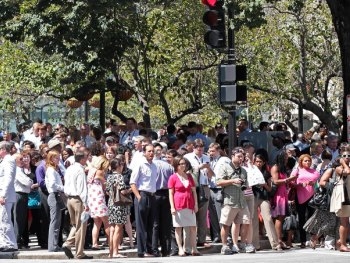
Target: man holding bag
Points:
(75, 188)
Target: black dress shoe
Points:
(8, 249)
(86, 257)
(156, 254)
(68, 252)
(174, 253)
(217, 240)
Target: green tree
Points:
(25, 75)
(295, 58)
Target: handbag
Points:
(61, 200)
(321, 199)
(290, 221)
(292, 193)
(34, 200)
(220, 196)
(121, 199)
(202, 197)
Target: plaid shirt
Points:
(233, 195)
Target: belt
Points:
(147, 193)
(215, 188)
(21, 193)
(162, 192)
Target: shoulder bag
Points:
(34, 200)
(321, 199)
(121, 199)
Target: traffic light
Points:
(214, 18)
(229, 91)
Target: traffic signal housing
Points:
(229, 91)
(214, 18)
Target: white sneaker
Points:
(235, 249)
(249, 248)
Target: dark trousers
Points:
(304, 212)
(45, 218)
(20, 217)
(162, 223)
(213, 208)
(174, 246)
(35, 227)
(144, 213)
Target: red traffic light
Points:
(209, 2)
(211, 17)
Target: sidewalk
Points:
(35, 252)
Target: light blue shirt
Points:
(144, 176)
(164, 171)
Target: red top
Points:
(183, 197)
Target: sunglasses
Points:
(346, 156)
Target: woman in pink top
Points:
(183, 203)
(306, 178)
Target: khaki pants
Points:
(77, 233)
(265, 210)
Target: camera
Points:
(243, 185)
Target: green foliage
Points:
(302, 53)
(26, 73)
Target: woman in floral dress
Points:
(96, 197)
(117, 214)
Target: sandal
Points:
(313, 244)
(119, 256)
(284, 246)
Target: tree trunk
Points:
(340, 10)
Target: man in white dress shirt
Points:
(202, 171)
(8, 242)
(75, 188)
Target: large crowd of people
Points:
(188, 190)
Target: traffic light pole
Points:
(231, 60)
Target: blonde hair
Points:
(100, 163)
(49, 157)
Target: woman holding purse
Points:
(340, 203)
(117, 213)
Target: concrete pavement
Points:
(36, 253)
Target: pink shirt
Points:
(304, 193)
(183, 197)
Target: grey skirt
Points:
(184, 217)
